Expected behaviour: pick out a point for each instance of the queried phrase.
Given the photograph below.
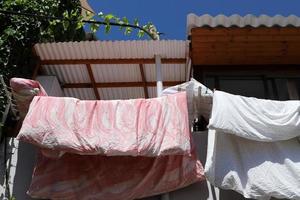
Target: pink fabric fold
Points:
(136, 127)
(112, 178)
(23, 91)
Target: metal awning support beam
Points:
(112, 61)
(93, 82)
(118, 84)
(158, 70)
(144, 81)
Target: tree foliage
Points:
(54, 21)
(18, 34)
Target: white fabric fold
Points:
(199, 98)
(255, 119)
(252, 147)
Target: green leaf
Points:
(9, 31)
(128, 30)
(141, 33)
(66, 14)
(109, 17)
(107, 28)
(79, 25)
(125, 20)
(136, 22)
(94, 27)
(74, 13)
(89, 15)
(66, 24)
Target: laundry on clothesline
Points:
(255, 119)
(136, 127)
(113, 177)
(128, 149)
(253, 147)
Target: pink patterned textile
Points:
(112, 178)
(136, 127)
(87, 177)
(23, 92)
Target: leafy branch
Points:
(107, 20)
(124, 24)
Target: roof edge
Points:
(236, 20)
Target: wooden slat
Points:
(253, 45)
(246, 38)
(93, 82)
(285, 70)
(246, 31)
(119, 84)
(236, 50)
(113, 61)
(244, 53)
(248, 45)
(245, 49)
(144, 80)
(222, 60)
(257, 57)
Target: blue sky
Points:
(169, 16)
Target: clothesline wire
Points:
(11, 13)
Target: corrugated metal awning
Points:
(113, 69)
(206, 20)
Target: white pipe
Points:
(159, 83)
(189, 68)
(159, 89)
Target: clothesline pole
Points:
(159, 83)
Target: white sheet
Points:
(255, 119)
(237, 159)
(199, 98)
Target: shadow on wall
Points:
(7, 149)
(2, 170)
(26, 161)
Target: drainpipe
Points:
(159, 89)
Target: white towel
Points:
(237, 157)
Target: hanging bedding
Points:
(23, 91)
(74, 176)
(253, 146)
(88, 177)
(136, 127)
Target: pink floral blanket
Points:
(136, 127)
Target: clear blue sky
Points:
(169, 16)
